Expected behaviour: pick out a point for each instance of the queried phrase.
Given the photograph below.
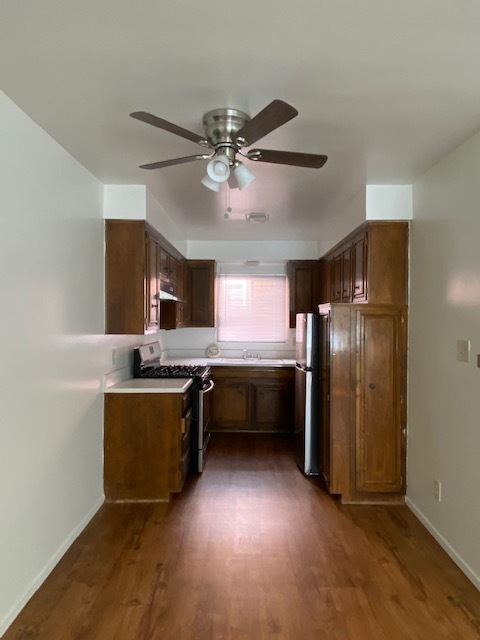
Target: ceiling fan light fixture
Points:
(218, 168)
(243, 175)
(210, 184)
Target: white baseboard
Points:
(467, 570)
(7, 620)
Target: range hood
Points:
(167, 292)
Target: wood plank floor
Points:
(253, 550)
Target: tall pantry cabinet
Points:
(363, 387)
(363, 377)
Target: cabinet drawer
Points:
(183, 467)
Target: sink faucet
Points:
(248, 355)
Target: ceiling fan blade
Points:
(273, 116)
(309, 160)
(170, 163)
(169, 126)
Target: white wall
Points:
(444, 398)
(53, 354)
(252, 250)
(338, 225)
(389, 202)
(159, 219)
(125, 201)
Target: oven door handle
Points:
(211, 384)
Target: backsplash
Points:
(193, 343)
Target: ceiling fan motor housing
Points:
(221, 126)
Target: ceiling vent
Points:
(256, 217)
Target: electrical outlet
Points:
(437, 490)
(463, 350)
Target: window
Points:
(251, 308)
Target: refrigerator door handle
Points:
(304, 369)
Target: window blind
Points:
(251, 308)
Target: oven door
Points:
(203, 421)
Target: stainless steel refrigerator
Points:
(307, 393)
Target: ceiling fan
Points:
(227, 132)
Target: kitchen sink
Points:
(258, 361)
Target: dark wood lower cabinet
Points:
(252, 399)
(231, 404)
(146, 445)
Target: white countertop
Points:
(120, 381)
(232, 362)
(151, 385)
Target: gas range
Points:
(146, 364)
(174, 371)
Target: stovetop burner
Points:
(175, 371)
(147, 364)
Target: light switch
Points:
(463, 350)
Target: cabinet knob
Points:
(371, 385)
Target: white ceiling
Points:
(384, 88)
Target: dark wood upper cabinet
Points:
(164, 264)
(369, 265)
(129, 289)
(152, 301)
(200, 293)
(304, 287)
(137, 260)
(336, 278)
(346, 258)
(172, 314)
(359, 268)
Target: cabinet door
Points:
(152, 299)
(380, 369)
(325, 280)
(180, 289)
(200, 293)
(174, 272)
(231, 406)
(336, 279)
(141, 445)
(303, 281)
(273, 406)
(359, 263)
(164, 263)
(126, 280)
(347, 275)
(324, 383)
